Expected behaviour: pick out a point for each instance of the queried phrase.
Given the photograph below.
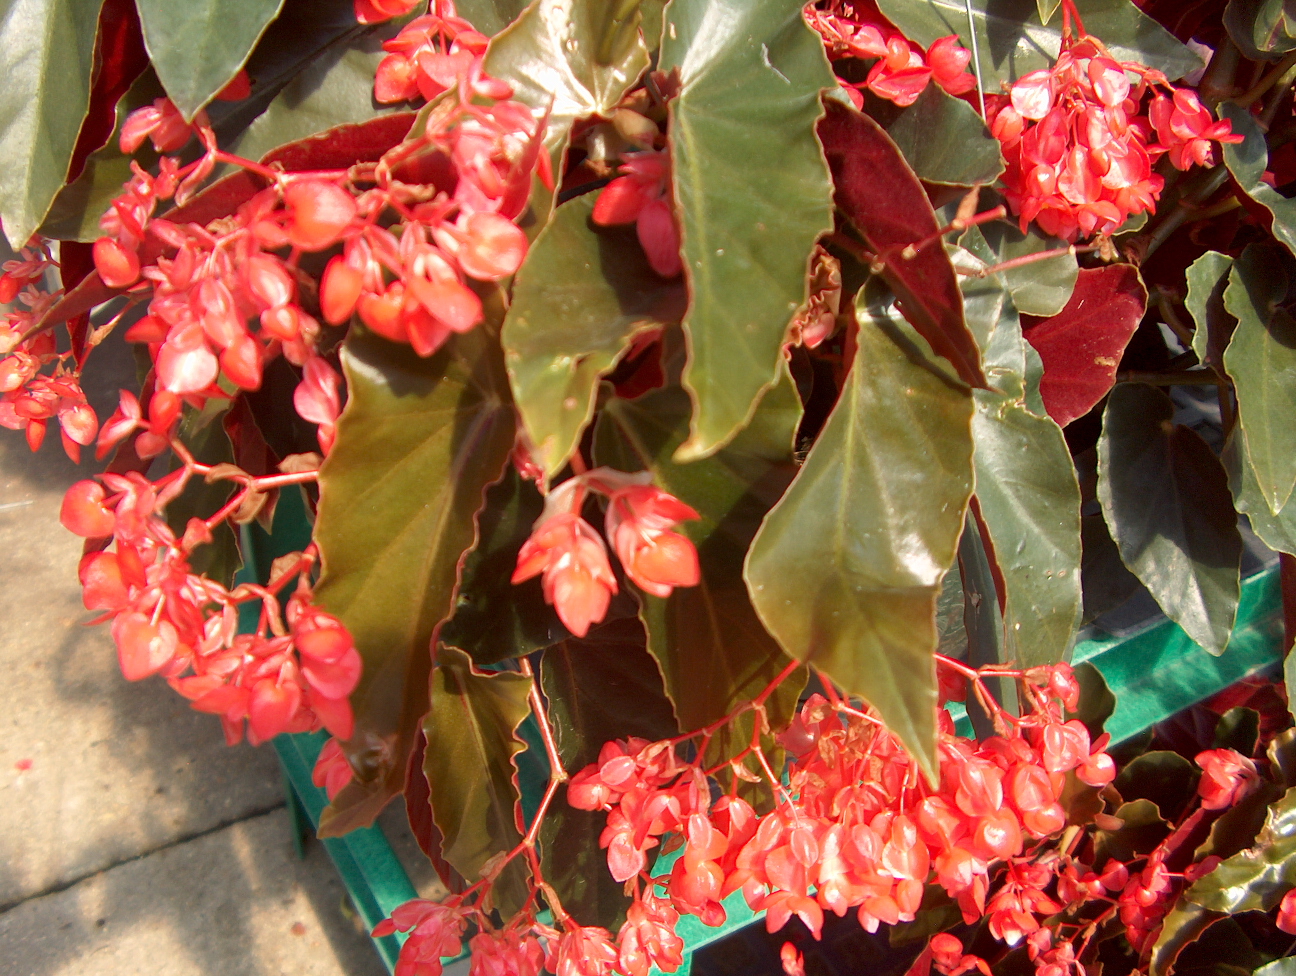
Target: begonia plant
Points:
(713, 421)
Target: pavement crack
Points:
(6, 907)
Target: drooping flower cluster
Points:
(1079, 147)
(902, 70)
(293, 674)
(571, 558)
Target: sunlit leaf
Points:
(752, 194)
(199, 45)
(1261, 360)
(1081, 346)
(945, 141)
(469, 761)
(49, 52)
(1012, 41)
(1255, 879)
(1247, 162)
(418, 442)
(582, 295)
(1278, 532)
(847, 568)
(1041, 287)
(1165, 497)
(1261, 28)
(490, 16)
(1183, 925)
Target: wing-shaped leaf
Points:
(582, 295)
(885, 202)
(1208, 276)
(1247, 161)
(418, 442)
(564, 57)
(1165, 497)
(469, 762)
(1030, 500)
(1261, 360)
(602, 688)
(49, 59)
(847, 568)
(945, 141)
(711, 646)
(751, 191)
(493, 619)
(198, 46)
(1255, 879)
(1012, 41)
(1081, 346)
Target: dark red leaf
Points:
(1287, 574)
(76, 262)
(88, 294)
(119, 59)
(885, 202)
(1081, 346)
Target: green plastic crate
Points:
(1184, 675)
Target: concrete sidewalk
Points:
(132, 840)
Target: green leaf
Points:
(1096, 699)
(752, 194)
(471, 728)
(493, 619)
(1039, 288)
(1247, 161)
(1047, 8)
(417, 444)
(550, 55)
(1142, 829)
(847, 568)
(600, 689)
(1183, 925)
(711, 646)
(1030, 499)
(1012, 41)
(580, 298)
(1255, 879)
(1261, 28)
(490, 16)
(1261, 360)
(1165, 497)
(1207, 278)
(1238, 729)
(1105, 582)
(945, 141)
(1278, 532)
(198, 46)
(49, 55)
(1164, 778)
(1286, 966)
(203, 433)
(1237, 827)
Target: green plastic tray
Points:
(1153, 673)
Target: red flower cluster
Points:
(571, 558)
(168, 620)
(858, 827)
(1079, 148)
(429, 56)
(642, 196)
(857, 29)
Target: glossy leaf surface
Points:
(490, 16)
(582, 295)
(1081, 346)
(600, 689)
(883, 199)
(1012, 41)
(1208, 276)
(711, 646)
(49, 51)
(469, 762)
(418, 442)
(1165, 498)
(752, 194)
(549, 55)
(945, 141)
(199, 45)
(1255, 879)
(1247, 162)
(847, 568)
(1261, 360)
